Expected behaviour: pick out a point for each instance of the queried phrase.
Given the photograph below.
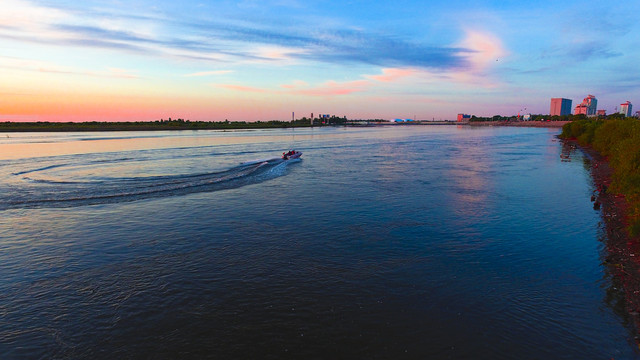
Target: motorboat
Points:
(291, 155)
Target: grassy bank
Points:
(543, 124)
(619, 141)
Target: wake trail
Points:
(35, 193)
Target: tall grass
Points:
(619, 141)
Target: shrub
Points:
(619, 140)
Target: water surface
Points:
(397, 242)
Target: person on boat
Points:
(285, 156)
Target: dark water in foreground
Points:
(419, 242)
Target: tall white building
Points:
(625, 108)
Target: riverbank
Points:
(540, 124)
(622, 256)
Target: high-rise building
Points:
(463, 117)
(560, 106)
(588, 106)
(625, 108)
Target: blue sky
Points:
(261, 60)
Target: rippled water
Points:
(404, 242)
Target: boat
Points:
(291, 155)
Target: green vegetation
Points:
(179, 124)
(534, 117)
(618, 139)
(544, 117)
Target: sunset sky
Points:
(112, 60)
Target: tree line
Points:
(162, 124)
(544, 117)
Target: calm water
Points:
(409, 242)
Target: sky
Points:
(143, 60)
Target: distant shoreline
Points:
(6, 127)
(11, 127)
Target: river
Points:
(384, 242)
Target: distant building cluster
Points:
(588, 107)
(402, 120)
(562, 107)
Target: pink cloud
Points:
(209, 73)
(392, 74)
(295, 84)
(24, 64)
(121, 73)
(332, 88)
(329, 88)
(242, 88)
(486, 49)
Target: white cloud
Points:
(21, 19)
(23, 14)
(278, 53)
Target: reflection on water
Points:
(125, 142)
(401, 242)
(31, 145)
(568, 151)
(472, 175)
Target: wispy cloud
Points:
(108, 73)
(332, 88)
(392, 74)
(327, 89)
(590, 49)
(278, 53)
(295, 84)
(122, 73)
(242, 88)
(483, 51)
(220, 40)
(21, 14)
(209, 73)
(30, 65)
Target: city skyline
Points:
(248, 60)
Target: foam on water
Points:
(45, 188)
